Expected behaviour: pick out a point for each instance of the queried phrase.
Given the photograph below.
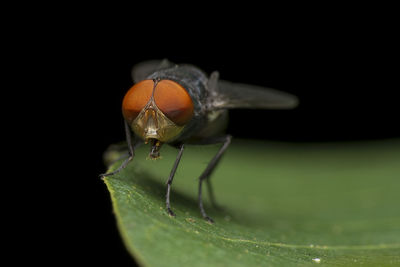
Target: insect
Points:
(179, 104)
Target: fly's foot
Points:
(120, 168)
(208, 219)
(103, 175)
(170, 212)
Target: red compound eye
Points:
(136, 98)
(174, 101)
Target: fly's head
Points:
(157, 111)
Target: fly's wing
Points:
(141, 70)
(227, 95)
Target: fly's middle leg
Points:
(226, 140)
(212, 195)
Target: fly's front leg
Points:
(171, 177)
(131, 152)
(226, 140)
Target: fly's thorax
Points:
(157, 109)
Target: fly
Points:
(179, 104)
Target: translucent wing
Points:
(144, 69)
(236, 95)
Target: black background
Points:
(345, 76)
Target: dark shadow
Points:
(179, 199)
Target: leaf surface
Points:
(285, 204)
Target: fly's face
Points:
(157, 111)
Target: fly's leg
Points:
(171, 177)
(212, 195)
(131, 152)
(226, 140)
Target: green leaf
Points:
(285, 204)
